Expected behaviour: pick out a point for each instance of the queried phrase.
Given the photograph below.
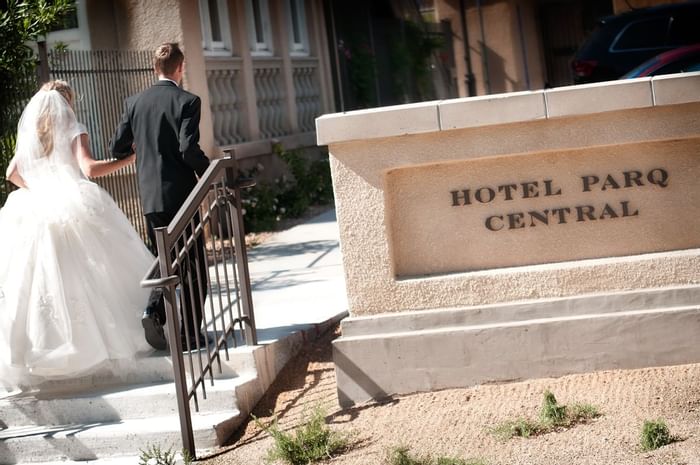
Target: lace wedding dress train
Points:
(70, 266)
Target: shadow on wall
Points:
(498, 78)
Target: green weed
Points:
(552, 415)
(655, 434)
(401, 455)
(311, 442)
(154, 455)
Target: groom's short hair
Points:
(167, 58)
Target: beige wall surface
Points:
(500, 61)
(139, 25)
(143, 25)
(543, 207)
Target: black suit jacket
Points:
(163, 124)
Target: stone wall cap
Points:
(508, 108)
(378, 122)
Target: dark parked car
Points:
(619, 43)
(678, 60)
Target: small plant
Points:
(311, 442)
(267, 203)
(552, 413)
(521, 427)
(655, 434)
(581, 413)
(401, 456)
(187, 457)
(153, 455)
(453, 461)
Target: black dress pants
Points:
(193, 285)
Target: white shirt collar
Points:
(168, 79)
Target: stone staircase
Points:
(122, 409)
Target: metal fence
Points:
(102, 80)
(202, 269)
(11, 114)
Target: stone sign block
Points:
(564, 221)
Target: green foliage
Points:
(21, 22)
(551, 411)
(401, 455)
(362, 69)
(453, 461)
(262, 210)
(521, 427)
(187, 458)
(311, 442)
(552, 416)
(580, 413)
(655, 434)
(153, 455)
(268, 203)
(411, 53)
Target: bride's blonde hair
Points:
(44, 125)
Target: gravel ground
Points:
(455, 422)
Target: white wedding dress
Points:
(70, 263)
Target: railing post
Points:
(172, 319)
(251, 336)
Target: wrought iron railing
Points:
(205, 242)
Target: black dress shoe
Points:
(203, 342)
(153, 330)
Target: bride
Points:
(70, 261)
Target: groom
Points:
(162, 125)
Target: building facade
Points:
(260, 66)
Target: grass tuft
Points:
(655, 434)
(522, 427)
(552, 413)
(311, 442)
(154, 455)
(581, 413)
(401, 455)
(552, 416)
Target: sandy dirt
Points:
(456, 422)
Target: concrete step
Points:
(92, 441)
(151, 369)
(114, 404)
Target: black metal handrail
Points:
(193, 249)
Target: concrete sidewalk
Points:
(297, 278)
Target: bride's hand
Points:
(130, 159)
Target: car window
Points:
(685, 29)
(642, 34)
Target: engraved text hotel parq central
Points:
(608, 182)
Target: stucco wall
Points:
(608, 117)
